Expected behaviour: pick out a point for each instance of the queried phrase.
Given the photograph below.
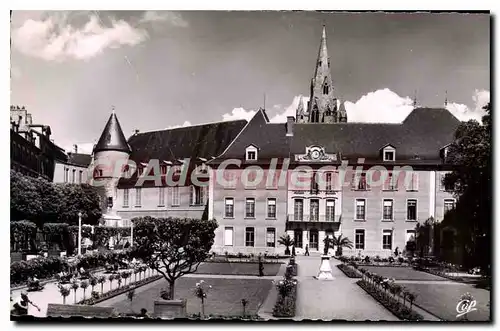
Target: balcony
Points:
(315, 218)
(314, 192)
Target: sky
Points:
(163, 69)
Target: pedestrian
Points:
(307, 250)
(21, 305)
(261, 267)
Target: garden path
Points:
(339, 299)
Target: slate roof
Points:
(82, 160)
(418, 138)
(112, 138)
(205, 141)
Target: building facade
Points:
(32, 152)
(74, 170)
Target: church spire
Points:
(112, 137)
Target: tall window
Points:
(125, 197)
(362, 185)
(137, 197)
(228, 236)
(390, 183)
(411, 210)
(80, 175)
(249, 237)
(387, 209)
(229, 207)
(73, 176)
(387, 239)
(325, 89)
(297, 238)
(329, 182)
(298, 210)
(314, 211)
(271, 208)
(161, 196)
(175, 196)
(66, 175)
(250, 208)
(196, 197)
(314, 183)
(271, 237)
(330, 210)
(413, 181)
(360, 239)
(360, 209)
(449, 204)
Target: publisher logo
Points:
(465, 306)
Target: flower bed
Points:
(349, 271)
(45, 268)
(110, 294)
(377, 261)
(287, 292)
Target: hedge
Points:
(348, 271)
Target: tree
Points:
(25, 200)
(79, 198)
(470, 156)
(64, 293)
(286, 241)
(173, 247)
(341, 242)
(102, 280)
(84, 284)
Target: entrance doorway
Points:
(313, 239)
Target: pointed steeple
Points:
(112, 138)
(300, 114)
(323, 60)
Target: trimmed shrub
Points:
(287, 297)
(349, 271)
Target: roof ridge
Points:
(189, 126)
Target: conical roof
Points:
(112, 138)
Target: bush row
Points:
(388, 293)
(287, 292)
(47, 267)
(367, 260)
(349, 271)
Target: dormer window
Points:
(251, 153)
(389, 153)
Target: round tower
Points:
(109, 158)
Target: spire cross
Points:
(113, 109)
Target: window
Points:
(314, 211)
(449, 204)
(175, 196)
(389, 154)
(329, 180)
(360, 239)
(360, 209)
(196, 197)
(125, 197)
(362, 182)
(387, 210)
(413, 181)
(314, 183)
(411, 210)
(228, 236)
(297, 238)
(250, 208)
(330, 210)
(229, 207)
(249, 237)
(137, 197)
(66, 175)
(298, 210)
(271, 208)
(387, 239)
(390, 183)
(444, 186)
(313, 239)
(251, 153)
(161, 196)
(325, 89)
(410, 235)
(271, 237)
(73, 176)
(80, 176)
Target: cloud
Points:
(464, 113)
(381, 106)
(239, 114)
(186, 123)
(56, 36)
(290, 110)
(164, 16)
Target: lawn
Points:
(442, 300)
(401, 273)
(236, 268)
(224, 298)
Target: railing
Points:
(314, 218)
(314, 191)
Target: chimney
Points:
(290, 120)
(75, 148)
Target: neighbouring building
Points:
(32, 152)
(74, 170)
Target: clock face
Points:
(315, 154)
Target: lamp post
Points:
(131, 233)
(80, 233)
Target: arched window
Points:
(326, 89)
